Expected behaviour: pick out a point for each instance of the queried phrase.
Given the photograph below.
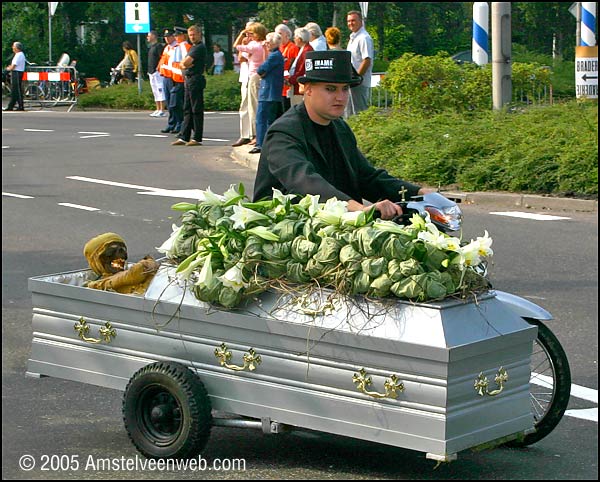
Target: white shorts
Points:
(158, 88)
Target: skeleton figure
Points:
(107, 257)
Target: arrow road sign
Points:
(585, 77)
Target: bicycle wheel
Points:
(55, 94)
(34, 95)
(550, 384)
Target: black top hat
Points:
(333, 66)
(168, 33)
(180, 30)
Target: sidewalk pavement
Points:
(514, 200)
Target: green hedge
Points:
(537, 149)
(437, 83)
(222, 94)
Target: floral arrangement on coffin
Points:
(230, 249)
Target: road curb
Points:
(514, 200)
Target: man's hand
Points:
(387, 208)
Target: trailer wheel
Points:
(550, 395)
(167, 412)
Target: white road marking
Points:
(21, 196)
(584, 413)
(149, 135)
(216, 140)
(536, 217)
(94, 134)
(577, 391)
(78, 206)
(194, 194)
(38, 130)
(113, 183)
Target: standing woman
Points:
(16, 68)
(257, 54)
(301, 39)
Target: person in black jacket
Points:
(312, 150)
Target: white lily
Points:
(232, 278)
(354, 218)
(331, 212)
(167, 246)
(310, 203)
(484, 242)
(468, 255)
(206, 277)
(186, 267)
(282, 198)
(451, 243)
(211, 198)
(242, 216)
(231, 193)
(437, 240)
(389, 226)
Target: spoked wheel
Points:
(550, 384)
(167, 412)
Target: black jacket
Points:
(293, 162)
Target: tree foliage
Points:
(422, 28)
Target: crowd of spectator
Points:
(269, 66)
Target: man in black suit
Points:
(312, 150)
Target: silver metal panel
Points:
(308, 362)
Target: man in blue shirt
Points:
(270, 105)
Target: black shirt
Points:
(154, 55)
(198, 54)
(328, 142)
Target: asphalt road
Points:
(67, 177)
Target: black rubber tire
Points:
(167, 412)
(548, 404)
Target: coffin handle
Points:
(481, 383)
(251, 359)
(391, 385)
(107, 332)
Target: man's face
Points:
(284, 37)
(194, 36)
(180, 37)
(326, 101)
(354, 22)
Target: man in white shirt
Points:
(361, 48)
(16, 69)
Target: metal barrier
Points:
(49, 86)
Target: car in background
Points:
(466, 56)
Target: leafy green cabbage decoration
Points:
(230, 249)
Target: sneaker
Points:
(193, 142)
(154, 114)
(161, 114)
(179, 142)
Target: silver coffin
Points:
(311, 364)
